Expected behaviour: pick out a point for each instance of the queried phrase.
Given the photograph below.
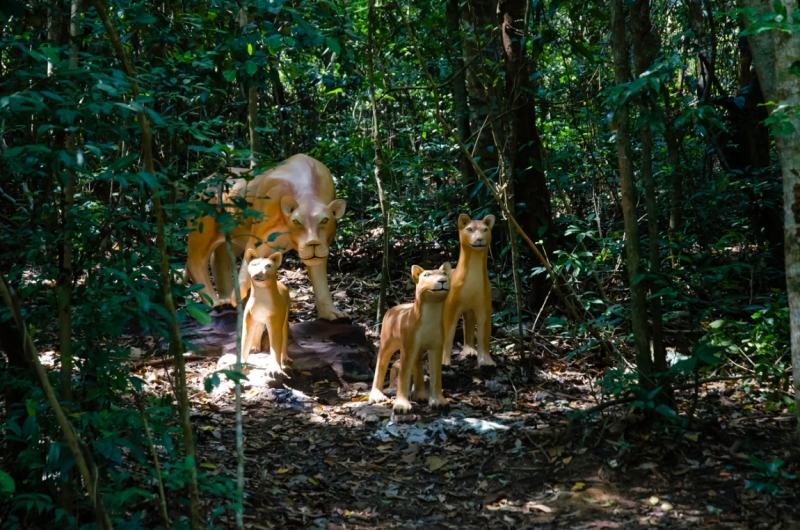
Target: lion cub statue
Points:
(414, 328)
(268, 306)
(470, 292)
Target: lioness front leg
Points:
(385, 353)
(407, 360)
(469, 334)
(437, 399)
(419, 393)
(484, 322)
(318, 274)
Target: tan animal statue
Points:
(298, 202)
(470, 292)
(267, 307)
(414, 328)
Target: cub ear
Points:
(489, 221)
(416, 270)
(446, 267)
(338, 208)
(288, 205)
(277, 257)
(250, 255)
(463, 220)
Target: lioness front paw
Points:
(402, 406)
(467, 351)
(439, 402)
(330, 313)
(376, 396)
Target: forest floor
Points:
(512, 452)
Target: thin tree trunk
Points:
(460, 98)
(645, 48)
(252, 103)
(381, 171)
(775, 53)
(623, 137)
(176, 343)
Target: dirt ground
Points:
(512, 452)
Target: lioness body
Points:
(414, 328)
(299, 208)
(470, 291)
(267, 307)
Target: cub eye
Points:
(469, 229)
(324, 221)
(426, 273)
(296, 222)
(485, 230)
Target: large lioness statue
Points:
(299, 206)
(471, 292)
(414, 328)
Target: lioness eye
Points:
(296, 222)
(469, 229)
(324, 221)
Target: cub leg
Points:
(285, 342)
(419, 393)
(407, 359)
(469, 333)
(484, 321)
(437, 399)
(275, 329)
(252, 330)
(223, 272)
(451, 316)
(385, 353)
(318, 274)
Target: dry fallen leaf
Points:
(434, 462)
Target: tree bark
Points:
(632, 252)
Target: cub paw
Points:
(485, 360)
(401, 406)
(439, 403)
(376, 396)
(419, 395)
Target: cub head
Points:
(311, 225)
(434, 284)
(475, 234)
(261, 269)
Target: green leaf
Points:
(249, 49)
(198, 314)
(250, 67)
(6, 483)
(333, 45)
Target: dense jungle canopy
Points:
(642, 160)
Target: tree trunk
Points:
(460, 100)
(775, 53)
(622, 124)
(381, 172)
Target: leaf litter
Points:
(504, 456)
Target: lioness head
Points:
(432, 285)
(262, 268)
(312, 226)
(476, 234)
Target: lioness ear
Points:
(489, 221)
(277, 258)
(288, 205)
(416, 270)
(463, 220)
(250, 255)
(338, 208)
(446, 267)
